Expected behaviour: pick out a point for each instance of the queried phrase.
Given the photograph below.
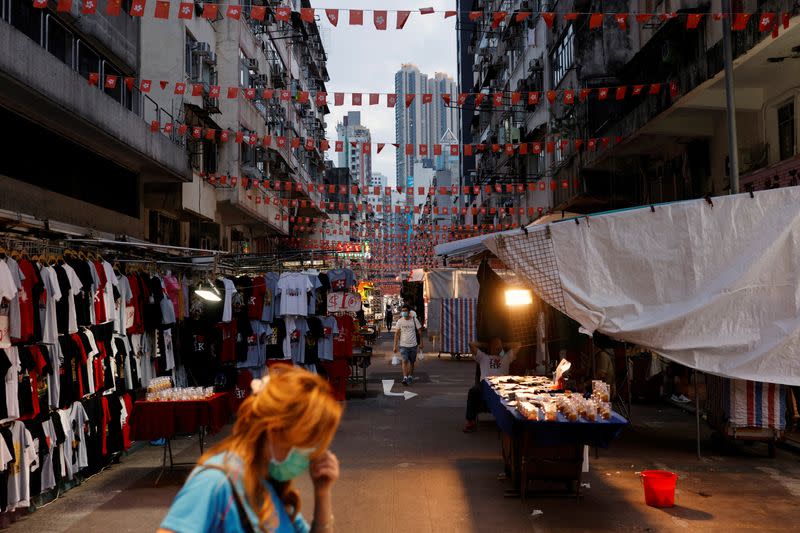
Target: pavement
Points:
(407, 467)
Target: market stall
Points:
(544, 431)
(451, 295)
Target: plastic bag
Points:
(395, 360)
(420, 356)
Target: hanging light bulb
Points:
(207, 291)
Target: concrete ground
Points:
(407, 467)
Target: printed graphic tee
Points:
(293, 289)
(494, 365)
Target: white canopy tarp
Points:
(713, 288)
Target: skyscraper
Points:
(350, 131)
(420, 123)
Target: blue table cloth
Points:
(562, 432)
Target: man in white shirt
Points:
(408, 337)
(495, 361)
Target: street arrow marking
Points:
(387, 390)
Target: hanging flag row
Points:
(767, 21)
(566, 96)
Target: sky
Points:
(363, 59)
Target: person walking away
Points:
(495, 361)
(408, 338)
(389, 317)
(244, 484)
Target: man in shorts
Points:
(408, 338)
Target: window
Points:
(244, 73)
(191, 59)
(563, 56)
(786, 144)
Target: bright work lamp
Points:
(207, 291)
(518, 297)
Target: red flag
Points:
(655, 88)
(602, 93)
(765, 21)
(40, 4)
(533, 98)
(224, 135)
(549, 18)
(637, 90)
(642, 18)
(402, 18)
(267, 94)
(233, 92)
(214, 91)
(285, 95)
(324, 145)
(569, 96)
(479, 99)
(426, 10)
(111, 82)
(578, 144)
(280, 141)
(307, 14)
(338, 98)
(409, 99)
(497, 99)
(210, 134)
(113, 7)
(234, 12)
(380, 147)
(427, 98)
(522, 15)
(182, 129)
(785, 17)
(155, 126)
(339, 147)
(409, 149)
(448, 14)
(89, 7)
(595, 21)
(356, 17)
(693, 20)
(475, 15)
(509, 149)
(379, 18)
(462, 99)
(423, 149)
(137, 8)
(197, 132)
(210, 11)
(740, 21)
(296, 142)
(467, 149)
(283, 14)
(673, 89)
(550, 147)
(497, 18)
(621, 91)
(258, 12)
(185, 10)
(249, 93)
(515, 97)
(180, 88)
(333, 16)
(391, 100)
(551, 96)
(584, 94)
(356, 98)
(129, 82)
(366, 148)
(622, 20)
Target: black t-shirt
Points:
(37, 288)
(275, 341)
(25, 389)
(84, 300)
(5, 365)
(313, 335)
(62, 306)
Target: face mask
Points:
(405, 314)
(296, 462)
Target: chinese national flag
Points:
(210, 134)
(642, 18)
(380, 18)
(307, 14)
(302, 97)
(621, 91)
(740, 21)
(693, 20)
(409, 149)
(402, 18)
(497, 18)
(595, 21)
(155, 126)
(338, 98)
(479, 99)
(296, 142)
(374, 99)
(197, 89)
(210, 11)
(267, 94)
(467, 149)
(427, 98)
(113, 7)
(551, 96)
(356, 17)
(437, 149)
(233, 92)
(515, 98)
(258, 12)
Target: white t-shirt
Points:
(65, 461)
(227, 309)
(49, 320)
(12, 383)
(79, 421)
(294, 345)
(75, 289)
(120, 318)
(293, 289)
(14, 318)
(329, 330)
(494, 365)
(111, 282)
(48, 477)
(8, 292)
(408, 331)
(19, 474)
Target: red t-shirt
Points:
(343, 341)
(227, 346)
(26, 307)
(255, 304)
(126, 428)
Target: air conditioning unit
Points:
(251, 64)
(201, 48)
(210, 58)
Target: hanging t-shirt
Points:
(173, 289)
(31, 326)
(8, 291)
(313, 338)
(79, 421)
(12, 383)
(20, 471)
(270, 296)
(226, 351)
(15, 326)
(316, 285)
(75, 290)
(124, 317)
(257, 345)
(341, 279)
(52, 298)
(111, 285)
(227, 309)
(275, 339)
(343, 340)
(329, 330)
(294, 345)
(293, 288)
(255, 300)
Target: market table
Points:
(552, 450)
(164, 420)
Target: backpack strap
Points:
(247, 525)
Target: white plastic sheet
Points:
(713, 288)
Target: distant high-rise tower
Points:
(350, 130)
(421, 123)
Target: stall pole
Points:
(629, 378)
(697, 411)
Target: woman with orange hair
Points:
(244, 483)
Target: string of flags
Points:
(567, 96)
(766, 20)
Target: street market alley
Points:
(407, 467)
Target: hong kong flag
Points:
(333, 16)
(234, 12)
(379, 18)
(339, 146)
(765, 21)
(111, 82)
(283, 13)
(137, 8)
(185, 10)
(250, 93)
(356, 98)
(321, 99)
(89, 7)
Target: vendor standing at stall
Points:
(495, 361)
(408, 338)
(389, 317)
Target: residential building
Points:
(78, 158)
(354, 136)
(243, 54)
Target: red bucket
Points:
(659, 488)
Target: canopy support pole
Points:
(697, 411)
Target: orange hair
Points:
(300, 407)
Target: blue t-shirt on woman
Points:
(206, 502)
